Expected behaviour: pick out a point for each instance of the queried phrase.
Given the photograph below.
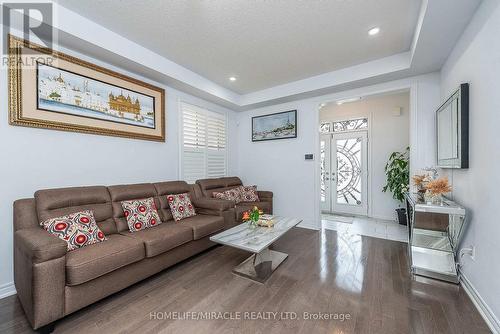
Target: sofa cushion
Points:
(169, 188)
(195, 190)
(141, 214)
(85, 264)
(231, 181)
(249, 193)
(234, 195)
(245, 206)
(203, 225)
(77, 229)
(128, 192)
(180, 206)
(209, 186)
(162, 238)
(51, 203)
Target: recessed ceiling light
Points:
(232, 78)
(353, 99)
(373, 31)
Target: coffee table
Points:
(257, 240)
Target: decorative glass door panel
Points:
(349, 177)
(349, 171)
(325, 170)
(343, 172)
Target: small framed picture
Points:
(280, 125)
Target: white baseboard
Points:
(483, 308)
(7, 290)
(391, 218)
(308, 225)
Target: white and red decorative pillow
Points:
(229, 195)
(181, 206)
(141, 214)
(249, 193)
(78, 229)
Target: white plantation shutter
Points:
(216, 144)
(203, 143)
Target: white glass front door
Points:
(344, 173)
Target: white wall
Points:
(387, 133)
(476, 60)
(279, 165)
(36, 158)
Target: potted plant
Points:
(397, 171)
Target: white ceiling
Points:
(262, 43)
(286, 61)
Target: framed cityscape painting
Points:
(280, 125)
(52, 90)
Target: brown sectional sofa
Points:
(208, 186)
(52, 283)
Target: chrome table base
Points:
(260, 266)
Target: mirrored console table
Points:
(434, 233)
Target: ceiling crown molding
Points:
(427, 54)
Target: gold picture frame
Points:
(84, 98)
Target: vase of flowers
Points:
(252, 216)
(420, 181)
(436, 189)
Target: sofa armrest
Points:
(39, 274)
(228, 215)
(213, 204)
(39, 245)
(265, 195)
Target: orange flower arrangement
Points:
(252, 215)
(421, 181)
(246, 216)
(418, 180)
(439, 186)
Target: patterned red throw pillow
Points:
(78, 229)
(141, 214)
(229, 195)
(249, 193)
(181, 206)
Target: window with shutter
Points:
(203, 143)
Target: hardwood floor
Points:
(363, 278)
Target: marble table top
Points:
(255, 239)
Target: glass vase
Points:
(431, 198)
(252, 223)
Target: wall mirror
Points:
(452, 120)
